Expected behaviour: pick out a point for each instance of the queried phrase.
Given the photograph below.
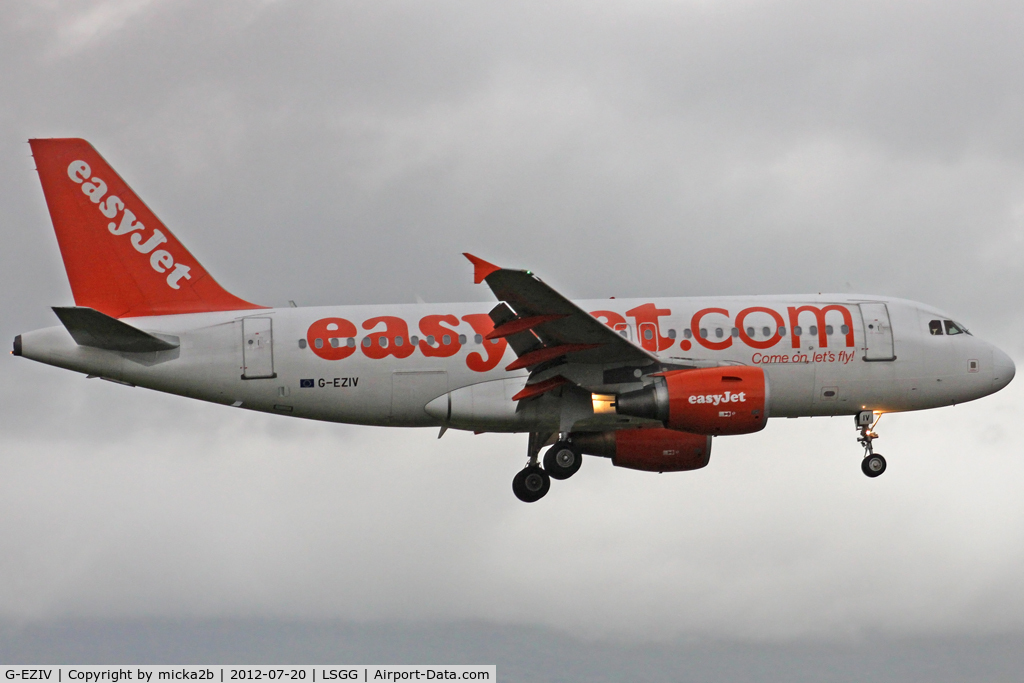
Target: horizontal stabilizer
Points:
(89, 327)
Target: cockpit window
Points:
(935, 327)
(955, 328)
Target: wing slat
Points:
(520, 325)
(532, 390)
(546, 353)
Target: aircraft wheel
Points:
(873, 465)
(562, 460)
(531, 484)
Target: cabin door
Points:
(878, 342)
(257, 348)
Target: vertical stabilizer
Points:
(120, 259)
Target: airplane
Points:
(645, 382)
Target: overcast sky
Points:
(348, 152)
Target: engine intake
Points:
(727, 400)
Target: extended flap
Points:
(89, 327)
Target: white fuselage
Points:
(859, 353)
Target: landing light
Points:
(604, 404)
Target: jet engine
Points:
(718, 401)
(651, 450)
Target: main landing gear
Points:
(531, 484)
(873, 464)
(560, 462)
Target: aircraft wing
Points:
(545, 328)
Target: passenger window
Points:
(735, 332)
(814, 330)
(935, 327)
(462, 339)
(797, 330)
(414, 340)
(766, 331)
(383, 342)
(648, 334)
(399, 341)
(351, 343)
(703, 333)
(750, 332)
(782, 330)
(719, 333)
(479, 339)
(318, 343)
(335, 342)
(951, 327)
(687, 334)
(671, 334)
(829, 330)
(367, 341)
(430, 339)
(447, 339)
(302, 343)
(845, 329)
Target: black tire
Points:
(562, 460)
(531, 484)
(873, 465)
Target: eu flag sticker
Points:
(305, 384)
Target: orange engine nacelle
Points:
(725, 400)
(651, 450)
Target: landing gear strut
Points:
(873, 464)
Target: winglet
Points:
(481, 268)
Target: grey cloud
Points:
(520, 653)
(150, 505)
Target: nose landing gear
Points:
(873, 464)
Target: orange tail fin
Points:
(120, 259)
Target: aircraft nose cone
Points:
(1003, 368)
